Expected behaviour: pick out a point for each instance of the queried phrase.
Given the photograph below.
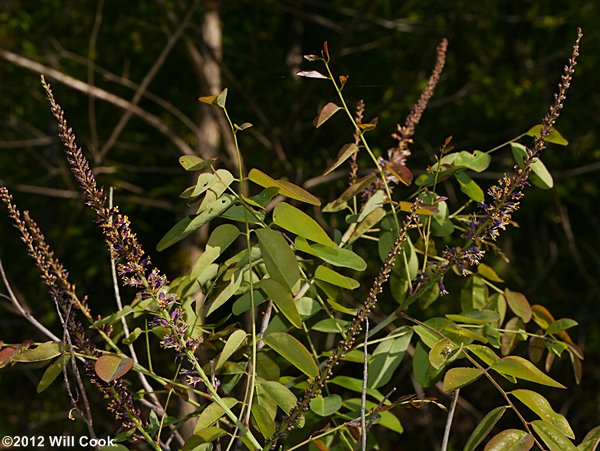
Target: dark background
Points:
(504, 62)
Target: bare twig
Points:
(363, 395)
(28, 316)
(98, 93)
(455, 396)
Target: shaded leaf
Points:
(51, 373)
(282, 395)
(219, 240)
(132, 336)
(293, 351)
(523, 369)
(484, 353)
(552, 437)
(424, 373)
(511, 339)
(356, 385)
(225, 294)
(510, 440)
(386, 358)
(367, 223)
(459, 377)
(591, 440)
(326, 406)
(341, 202)
(345, 152)
(282, 298)
(279, 258)
(540, 405)
(484, 427)
(518, 304)
(299, 223)
(544, 178)
(326, 112)
(285, 188)
(112, 367)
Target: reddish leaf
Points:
(6, 355)
(328, 110)
(402, 173)
(343, 80)
(326, 51)
(112, 367)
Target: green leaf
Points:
(265, 423)
(484, 427)
(285, 188)
(424, 373)
(591, 440)
(220, 239)
(523, 369)
(488, 272)
(518, 304)
(540, 405)
(442, 352)
(330, 325)
(474, 294)
(510, 440)
(282, 298)
(51, 373)
(356, 385)
(45, 351)
(341, 202)
(366, 224)
(340, 308)
(330, 276)
(299, 223)
(188, 225)
(111, 367)
(326, 406)
(225, 294)
(560, 325)
(544, 178)
(194, 163)
(133, 336)
(554, 137)
(244, 302)
(475, 316)
(293, 351)
(459, 377)
(477, 161)
(326, 112)
(552, 437)
(282, 395)
(212, 413)
(203, 182)
(111, 319)
(279, 258)
(335, 256)
(243, 213)
(386, 358)
(346, 152)
(469, 187)
(484, 353)
(232, 344)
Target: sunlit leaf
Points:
(554, 137)
(45, 351)
(279, 258)
(510, 440)
(366, 224)
(488, 272)
(356, 385)
(469, 187)
(484, 353)
(112, 367)
(523, 369)
(554, 439)
(194, 163)
(265, 423)
(282, 395)
(311, 74)
(232, 344)
(424, 373)
(335, 256)
(282, 298)
(459, 377)
(211, 413)
(345, 152)
(293, 351)
(484, 427)
(326, 112)
(441, 352)
(591, 440)
(225, 294)
(330, 276)
(540, 405)
(326, 406)
(285, 188)
(560, 325)
(475, 316)
(299, 223)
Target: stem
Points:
(455, 396)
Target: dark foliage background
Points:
(504, 61)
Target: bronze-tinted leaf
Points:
(326, 112)
(311, 74)
(111, 367)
